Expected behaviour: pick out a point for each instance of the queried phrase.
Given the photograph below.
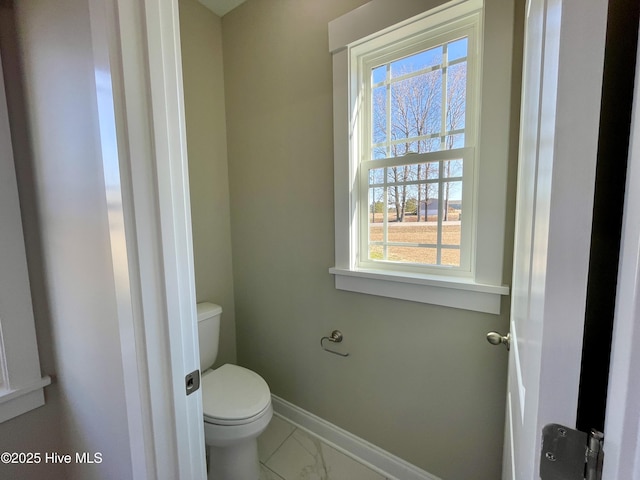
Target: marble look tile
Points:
(304, 457)
(266, 474)
(298, 458)
(342, 467)
(274, 436)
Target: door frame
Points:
(138, 67)
(148, 96)
(548, 305)
(622, 422)
(622, 426)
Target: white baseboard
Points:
(383, 462)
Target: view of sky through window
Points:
(418, 106)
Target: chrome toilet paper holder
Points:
(335, 337)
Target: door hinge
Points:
(569, 454)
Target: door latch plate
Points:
(192, 381)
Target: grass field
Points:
(417, 232)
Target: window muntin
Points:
(417, 152)
(418, 102)
(430, 232)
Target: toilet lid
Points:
(233, 393)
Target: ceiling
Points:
(221, 7)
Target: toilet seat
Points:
(233, 395)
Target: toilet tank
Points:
(208, 333)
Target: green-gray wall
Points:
(201, 41)
(421, 381)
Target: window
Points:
(21, 385)
(412, 190)
(417, 149)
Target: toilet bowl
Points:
(236, 405)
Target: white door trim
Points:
(123, 242)
(137, 49)
(172, 183)
(559, 143)
(622, 421)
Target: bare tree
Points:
(415, 111)
(414, 125)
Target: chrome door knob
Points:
(494, 338)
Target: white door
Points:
(562, 80)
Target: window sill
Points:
(444, 291)
(21, 400)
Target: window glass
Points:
(418, 105)
(421, 105)
(415, 213)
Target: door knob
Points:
(494, 338)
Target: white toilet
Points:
(236, 404)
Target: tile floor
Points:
(289, 453)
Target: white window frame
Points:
(385, 49)
(479, 287)
(21, 384)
